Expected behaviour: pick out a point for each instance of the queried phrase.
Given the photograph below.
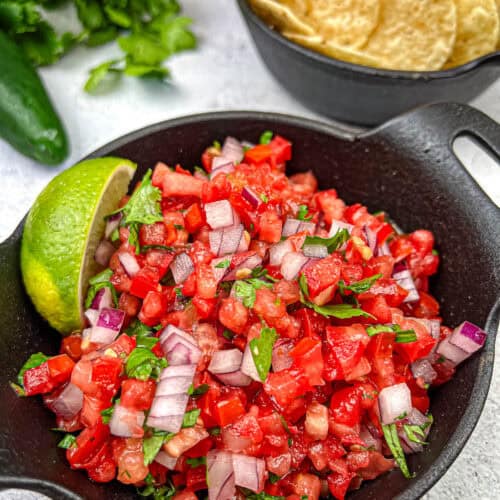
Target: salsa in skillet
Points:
(250, 335)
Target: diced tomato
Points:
(322, 274)
(189, 286)
(196, 478)
(106, 376)
(88, 443)
(175, 184)
(129, 304)
(216, 189)
(37, 380)
(426, 307)
(347, 355)
(401, 247)
(227, 410)
(377, 307)
(423, 241)
(60, 368)
(338, 484)
(258, 154)
(194, 218)
(308, 358)
(331, 205)
(72, 346)
(384, 265)
(204, 307)
(313, 324)
(159, 173)
(346, 407)
(152, 234)
(153, 308)
(387, 288)
(379, 352)
(206, 283)
(286, 385)
(159, 259)
(200, 449)
(137, 394)
(270, 227)
(383, 232)
(146, 280)
(281, 149)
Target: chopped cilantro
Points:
(165, 492)
(143, 364)
(33, 361)
(190, 418)
(376, 329)
(402, 336)
(392, 440)
(107, 414)
(264, 198)
(245, 290)
(68, 441)
(414, 433)
(266, 137)
(196, 462)
(262, 351)
(359, 286)
(340, 311)
(333, 243)
(200, 390)
(217, 145)
(228, 334)
(434, 252)
(302, 214)
(223, 264)
(214, 431)
(101, 280)
(273, 478)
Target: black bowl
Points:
(406, 167)
(360, 94)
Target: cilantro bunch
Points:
(147, 32)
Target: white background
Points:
(224, 73)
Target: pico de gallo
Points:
(250, 335)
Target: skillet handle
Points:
(438, 125)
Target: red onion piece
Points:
(129, 263)
(92, 316)
(215, 239)
(281, 360)
(234, 440)
(181, 268)
(108, 326)
(292, 263)
(402, 275)
(232, 240)
(252, 262)
(103, 253)
(126, 422)
(220, 214)
(371, 238)
(290, 227)
(103, 298)
(232, 149)
(248, 365)
(308, 227)
(249, 472)
(223, 166)
(235, 379)
(220, 476)
(173, 385)
(167, 412)
(370, 440)
(220, 272)
(111, 224)
(454, 354)
(251, 196)
(382, 250)
(469, 337)
(166, 460)
(423, 368)
(278, 251)
(337, 225)
(170, 330)
(227, 361)
(415, 417)
(199, 174)
(394, 401)
(169, 423)
(178, 371)
(315, 251)
(179, 351)
(68, 403)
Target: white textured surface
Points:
(224, 73)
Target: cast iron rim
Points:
(422, 483)
(357, 68)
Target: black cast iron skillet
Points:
(360, 94)
(406, 167)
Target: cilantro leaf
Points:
(402, 336)
(101, 280)
(190, 418)
(414, 433)
(143, 48)
(102, 77)
(223, 264)
(262, 351)
(262, 273)
(200, 390)
(406, 336)
(107, 414)
(304, 288)
(392, 440)
(151, 446)
(245, 292)
(33, 361)
(376, 329)
(266, 137)
(175, 35)
(263, 496)
(273, 478)
(164, 492)
(143, 364)
(302, 213)
(340, 311)
(68, 441)
(359, 286)
(196, 462)
(333, 243)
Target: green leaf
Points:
(143, 364)
(263, 496)
(190, 418)
(273, 478)
(266, 137)
(164, 492)
(262, 351)
(200, 390)
(17, 389)
(196, 462)
(223, 264)
(359, 286)
(302, 213)
(333, 243)
(145, 70)
(118, 16)
(414, 433)
(90, 14)
(262, 273)
(340, 311)
(107, 414)
(151, 446)
(33, 361)
(264, 198)
(143, 207)
(101, 75)
(392, 440)
(143, 49)
(101, 36)
(95, 287)
(406, 336)
(68, 441)
(175, 35)
(214, 431)
(245, 292)
(304, 288)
